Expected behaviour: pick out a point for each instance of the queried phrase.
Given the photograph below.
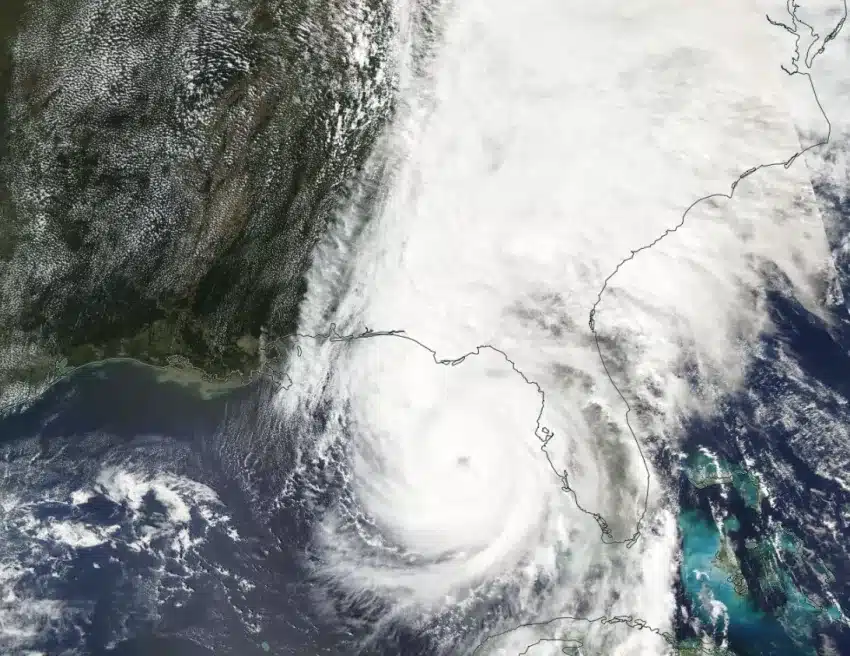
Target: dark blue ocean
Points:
(139, 517)
(162, 583)
(781, 514)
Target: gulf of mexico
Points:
(138, 519)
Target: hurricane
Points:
(424, 327)
(559, 252)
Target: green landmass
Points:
(704, 472)
(693, 647)
(726, 561)
(165, 176)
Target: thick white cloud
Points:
(549, 142)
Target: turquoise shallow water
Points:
(704, 581)
(764, 530)
(736, 619)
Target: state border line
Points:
(809, 59)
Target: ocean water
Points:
(122, 534)
(764, 478)
(392, 500)
(141, 518)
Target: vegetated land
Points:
(166, 169)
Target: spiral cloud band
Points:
(488, 465)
